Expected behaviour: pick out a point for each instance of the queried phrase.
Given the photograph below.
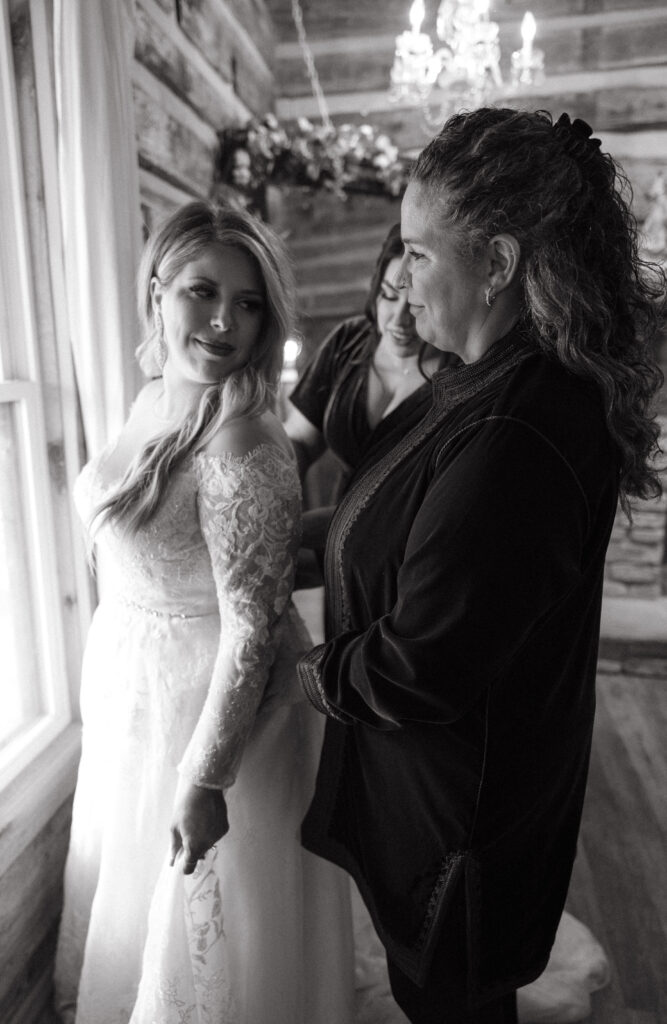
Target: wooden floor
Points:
(619, 887)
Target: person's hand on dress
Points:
(199, 821)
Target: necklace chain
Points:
(382, 374)
(404, 370)
(400, 364)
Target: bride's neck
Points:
(177, 400)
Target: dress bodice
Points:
(222, 544)
(165, 566)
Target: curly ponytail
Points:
(594, 302)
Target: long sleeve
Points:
(250, 516)
(497, 543)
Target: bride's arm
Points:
(250, 516)
(250, 510)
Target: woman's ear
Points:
(156, 294)
(504, 256)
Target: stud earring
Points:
(489, 296)
(160, 345)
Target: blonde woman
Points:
(187, 894)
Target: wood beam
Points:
(365, 103)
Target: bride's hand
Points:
(199, 820)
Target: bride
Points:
(190, 663)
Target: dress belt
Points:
(164, 614)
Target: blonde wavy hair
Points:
(246, 392)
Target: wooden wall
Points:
(200, 66)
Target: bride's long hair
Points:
(245, 392)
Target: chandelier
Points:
(464, 71)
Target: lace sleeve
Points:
(250, 516)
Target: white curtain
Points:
(99, 191)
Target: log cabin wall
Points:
(200, 66)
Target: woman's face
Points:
(395, 322)
(445, 293)
(212, 312)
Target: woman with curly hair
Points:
(464, 570)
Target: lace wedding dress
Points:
(175, 675)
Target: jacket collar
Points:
(455, 384)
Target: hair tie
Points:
(575, 137)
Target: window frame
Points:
(38, 766)
(50, 689)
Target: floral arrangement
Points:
(340, 158)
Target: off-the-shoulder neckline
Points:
(247, 456)
(95, 464)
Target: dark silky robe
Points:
(464, 582)
(332, 393)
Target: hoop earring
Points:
(160, 344)
(489, 296)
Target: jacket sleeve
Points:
(496, 545)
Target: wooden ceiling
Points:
(606, 61)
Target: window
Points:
(35, 694)
(38, 558)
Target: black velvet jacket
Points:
(464, 581)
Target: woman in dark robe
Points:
(464, 569)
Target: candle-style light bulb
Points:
(528, 30)
(291, 350)
(416, 15)
(528, 63)
(410, 73)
